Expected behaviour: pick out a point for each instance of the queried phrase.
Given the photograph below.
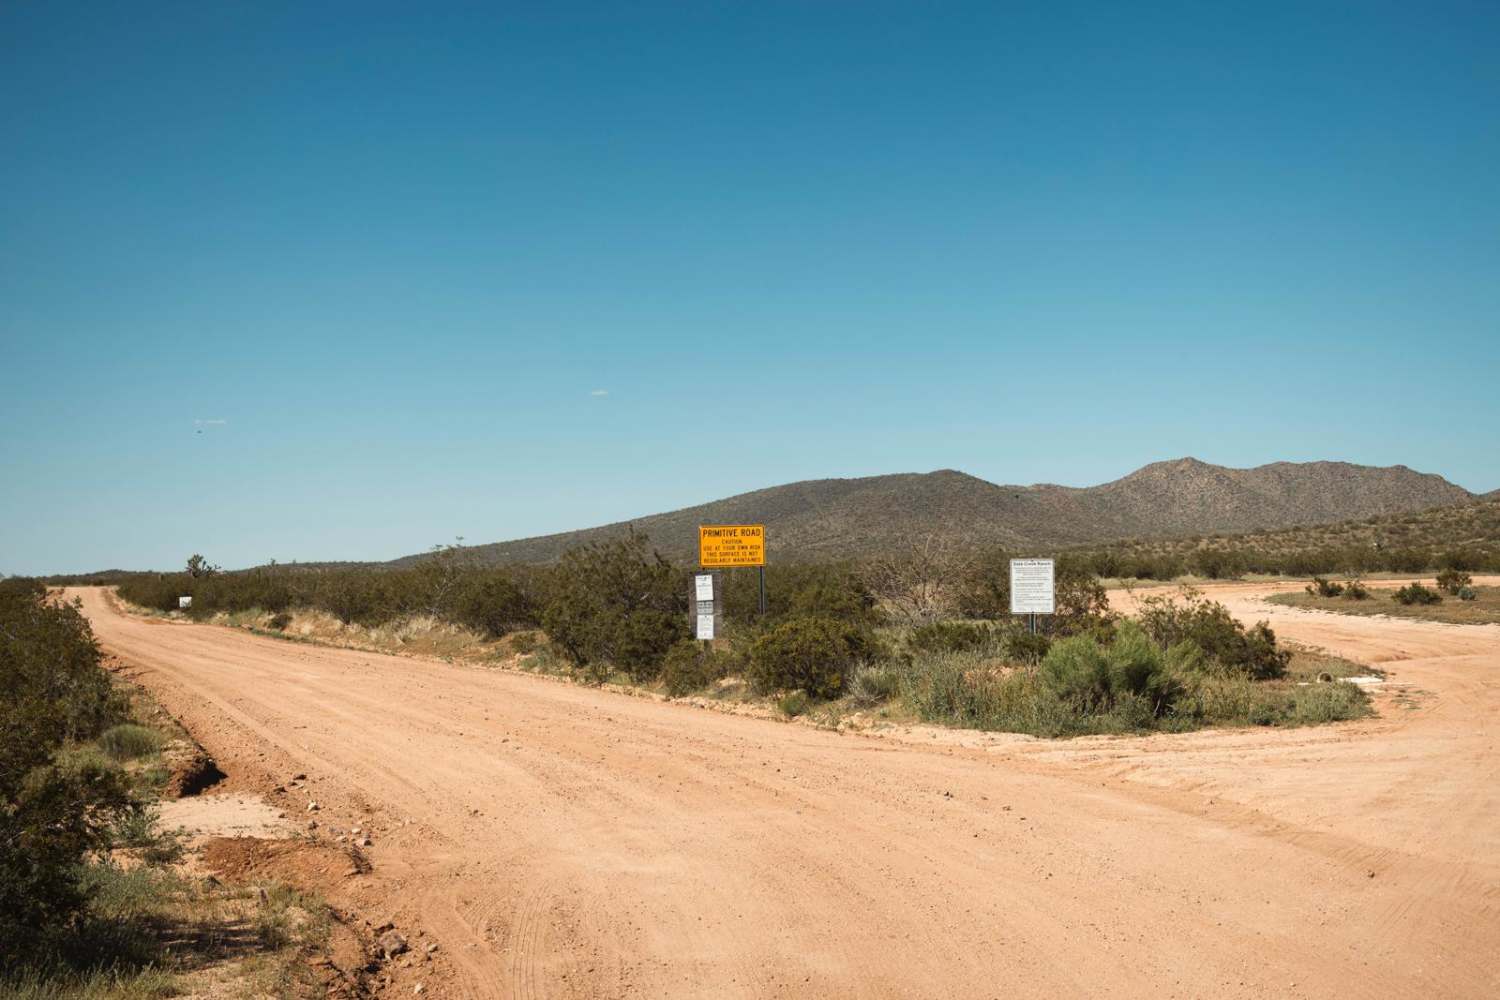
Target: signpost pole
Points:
(762, 591)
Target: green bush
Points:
(1077, 670)
(874, 684)
(1453, 580)
(815, 655)
(1323, 587)
(1217, 564)
(688, 667)
(1415, 593)
(1020, 646)
(799, 590)
(128, 741)
(1355, 589)
(793, 704)
(616, 602)
(963, 689)
(1097, 679)
(1467, 594)
(492, 604)
(1210, 626)
(950, 637)
(280, 621)
(54, 809)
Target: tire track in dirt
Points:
(572, 843)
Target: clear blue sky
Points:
(307, 281)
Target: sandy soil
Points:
(565, 842)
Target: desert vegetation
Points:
(1454, 600)
(923, 633)
(1461, 539)
(93, 902)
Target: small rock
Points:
(355, 830)
(392, 943)
(418, 988)
(299, 777)
(431, 947)
(312, 807)
(312, 824)
(366, 842)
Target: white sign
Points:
(705, 626)
(704, 582)
(1031, 591)
(185, 602)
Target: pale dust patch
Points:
(234, 815)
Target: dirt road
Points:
(566, 842)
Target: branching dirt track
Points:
(566, 842)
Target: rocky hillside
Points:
(829, 518)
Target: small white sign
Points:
(185, 601)
(705, 585)
(705, 626)
(1031, 587)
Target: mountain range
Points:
(833, 518)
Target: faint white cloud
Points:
(599, 392)
(215, 422)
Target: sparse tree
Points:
(199, 567)
(918, 584)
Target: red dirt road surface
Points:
(566, 842)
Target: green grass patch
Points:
(129, 741)
(960, 689)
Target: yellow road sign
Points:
(731, 544)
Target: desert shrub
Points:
(793, 703)
(616, 602)
(1408, 560)
(281, 621)
(1467, 593)
(54, 809)
(128, 741)
(1211, 627)
(873, 684)
(351, 596)
(1237, 700)
(983, 591)
(1186, 658)
(815, 655)
(492, 604)
(964, 689)
(818, 590)
(1077, 670)
(688, 667)
(1452, 580)
(1355, 589)
(1097, 679)
(1018, 645)
(949, 637)
(1323, 587)
(1217, 564)
(1415, 593)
